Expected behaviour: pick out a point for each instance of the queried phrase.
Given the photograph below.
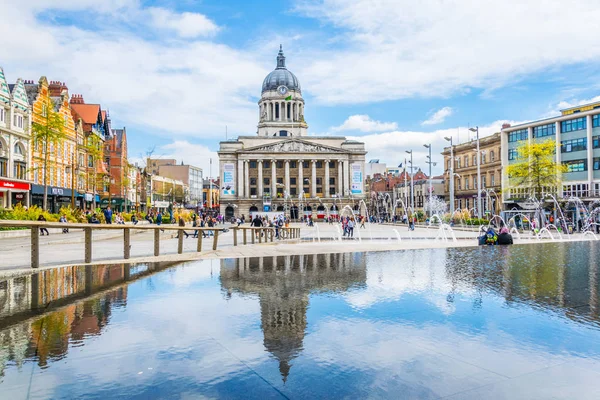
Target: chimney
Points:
(77, 99)
(56, 87)
(505, 125)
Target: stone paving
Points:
(67, 249)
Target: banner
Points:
(357, 179)
(228, 185)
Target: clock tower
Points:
(281, 106)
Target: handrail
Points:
(291, 233)
(89, 228)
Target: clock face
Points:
(282, 90)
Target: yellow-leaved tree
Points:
(536, 168)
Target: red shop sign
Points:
(14, 185)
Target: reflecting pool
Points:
(515, 322)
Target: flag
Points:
(400, 166)
(288, 98)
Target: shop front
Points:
(116, 203)
(13, 193)
(57, 197)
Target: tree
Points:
(93, 147)
(536, 168)
(47, 129)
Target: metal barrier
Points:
(35, 226)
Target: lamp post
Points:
(451, 176)
(412, 188)
(476, 130)
(428, 146)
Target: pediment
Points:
(293, 146)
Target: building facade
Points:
(465, 174)
(15, 128)
(577, 135)
(281, 168)
(190, 175)
(115, 156)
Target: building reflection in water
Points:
(283, 285)
(79, 311)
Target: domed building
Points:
(283, 170)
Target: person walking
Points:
(351, 227)
(182, 224)
(41, 218)
(108, 215)
(362, 222)
(256, 223)
(63, 219)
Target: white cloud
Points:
(364, 123)
(390, 147)
(439, 116)
(187, 24)
(193, 154)
(391, 49)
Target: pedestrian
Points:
(362, 222)
(182, 224)
(257, 223)
(351, 228)
(108, 215)
(159, 218)
(41, 218)
(134, 219)
(63, 219)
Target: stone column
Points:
(260, 179)
(347, 175)
(313, 180)
(300, 184)
(246, 178)
(340, 181)
(287, 176)
(240, 178)
(326, 183)
(273, 179)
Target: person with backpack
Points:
(491, 238)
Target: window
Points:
(492, 156)
(267, 164)
(252, 191)
(319, 190)
(293, 164)
(459, 184)
(568, 146)
(292, 181)
(66, 119)
(474, 182)
(3, 165)
(596, 163)
(466, 183)
(280, 180)
(44, 110)
(2, 114)
(90, 161)
(331, 191)
(18, 149)
(448, 164)
(493, 179)
(279, 164)
(483, 158)
(571, 125)
(253, 181)
(266, 181)
(595, 121)
(576, 165)
(516, 136)
(458, 163)
(319, 181)
(331, 164)
(305, 164)
(483, 182)
(544, 130)
(512, 154)
(332, 181)
(466, 161)
(293, 191)
(319, 164)
(596, 142)
(253, 164)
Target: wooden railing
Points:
(35, 226)
(269, 233)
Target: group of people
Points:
(277, 222)
(490, 237)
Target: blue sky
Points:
(396, 74)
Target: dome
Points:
(281, 76)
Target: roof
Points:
(119, 134)
(32, 90)
(87, 112)
(375, 161)
(281, 76)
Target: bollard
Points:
(179, 241)
(215, 240)
(199, 245)
(88, 245)
(245, 230)
(35, 247)
(126, 244)
(156, 242)
(235, 236)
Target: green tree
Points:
(93, 147)
(47, 129)
(536, 168)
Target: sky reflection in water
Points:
(502, 322)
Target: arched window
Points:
(18, 149)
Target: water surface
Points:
(488, 322)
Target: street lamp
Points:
(476, 129)
(412, 187)
(451, 175)
(428, 146)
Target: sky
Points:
(182, 75)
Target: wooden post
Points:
(235, 236)
(215, 240)
(126, 243)
(88, 245)
(179, 241)
(245, 230)
(89, 279)
(156, 242)
(253, 234)
(35, 247)
(199, 245)
(272, 234)
(260, 233)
